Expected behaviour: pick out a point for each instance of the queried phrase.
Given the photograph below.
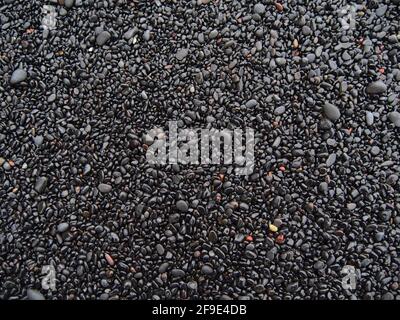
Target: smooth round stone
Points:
(259, 8)
(395, 118)
(6, 166)
(331, 160)
(351, 206)
(104, 188)
(69, 3)
(177, 273)
(102, 38)
(331, 111)
(207, 270)
(18, 76)
(52, 98)
(376, 87)
(182, 206)
(163, 267)
(323, 187)
(319, 265)
(160, 249)
(280, 110)
(280, 61)
(306, 30)
(331, 142)
(388, 296)
(375, 150)
(33, 294)
(213, 34)
(146, 35)
(62, 227)
(251, 103)
(181, 54)
(369, 118)
(392, 179)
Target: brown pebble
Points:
(109, 259)
(394, 286)
(280, 239)
(279, 6)
(197, 254)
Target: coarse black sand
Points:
(319, 83)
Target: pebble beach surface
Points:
(82, 82)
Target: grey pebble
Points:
(182, 54)
(331, 111)
(182, 206)
(251, 103)
(146, 35)
(69, 3)
(177, 273)
(369, 118)
(102, 38)
(104, 188)
(62, 227)
(259, 8)
(331, 159)
(395, 118)
(213, 34)
(38, 140)
(160, 249)
(207, 270)
(34, 294)
(280, 110)
(163, 267)
(375, 150)
(18, 76)
(129, 34)
(379, 236)
(376, 87)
